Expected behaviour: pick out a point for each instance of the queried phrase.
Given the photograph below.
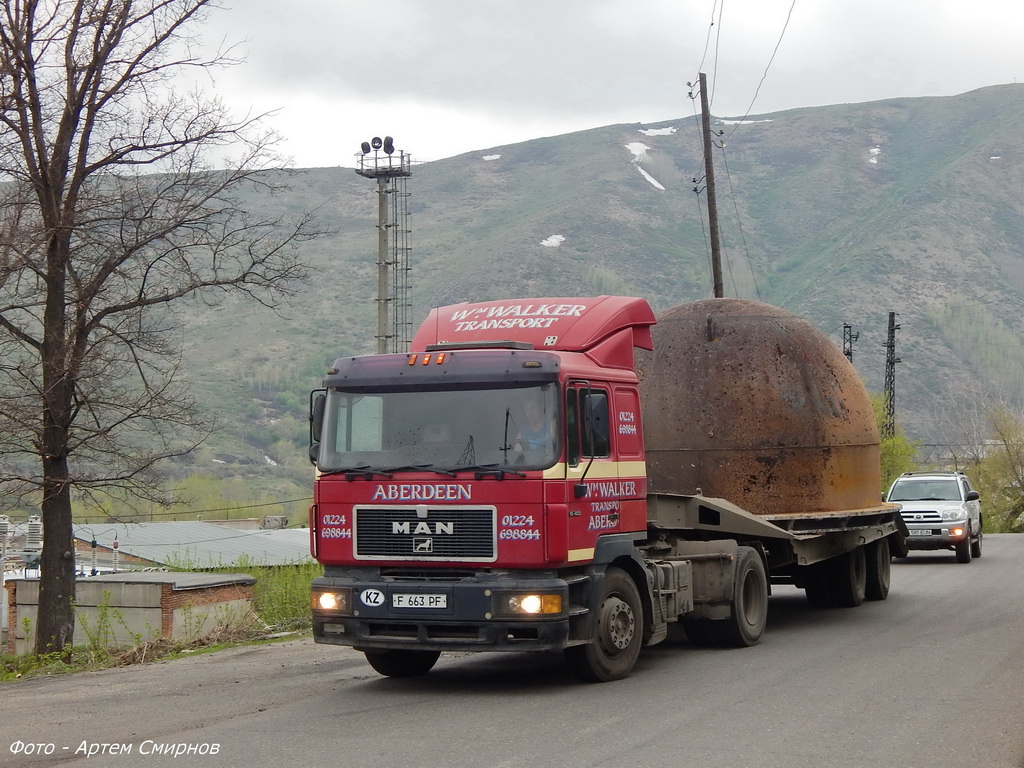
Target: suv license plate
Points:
(419, 601)
(921, 533)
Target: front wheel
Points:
(976, 545)
(963, 549)
(402, 663)
(615, 646)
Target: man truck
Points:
(575, 474)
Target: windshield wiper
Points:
(415, 467)
(351, 473)
(482, 470)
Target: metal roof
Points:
(200, 545)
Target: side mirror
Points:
(318, 401)
(973, 496)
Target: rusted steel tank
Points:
(747, 402)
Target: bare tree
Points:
(112, 207)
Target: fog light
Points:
(956, 531)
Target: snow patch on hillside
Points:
(553, 242)
(639, 150)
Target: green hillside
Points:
(840, 214)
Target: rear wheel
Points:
(879, 562)
(615, 646)
(402, 663)
(749, 602)
(849, 578)
(818, 585)
(840, 582)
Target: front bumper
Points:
(467, 613)
(936, 535)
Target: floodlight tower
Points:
(379, 160)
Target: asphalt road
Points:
(930, 678)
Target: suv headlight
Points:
(956, 513)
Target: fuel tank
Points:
(747, 402)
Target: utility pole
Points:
(889, 425)
(709, 174)
(848, 338)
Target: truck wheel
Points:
(749, 602)
(849, 576)
(963, 549)
(818, 585)
(612, 652)
(879, 568)
(402, 663)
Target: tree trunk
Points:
(55, 623)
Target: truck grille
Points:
(452, 534)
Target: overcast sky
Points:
(445, 77)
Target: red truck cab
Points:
(470, 494)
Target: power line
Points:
(764, 76)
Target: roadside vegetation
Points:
(985, 442)
(280, 610)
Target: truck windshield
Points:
(441, 430)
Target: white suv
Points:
(941, 511)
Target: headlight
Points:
(332, 600)
(528, 604)
(957, 513)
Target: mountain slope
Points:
(840, 214)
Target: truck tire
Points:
(615, 646)
(818, 585)
(879, 568)
(849, 578)
(963, 549)
(749, 603)
(402, 663)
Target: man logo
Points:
(423, 526)
(423, 546)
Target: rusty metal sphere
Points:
(750, 403)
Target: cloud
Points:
(459, 75)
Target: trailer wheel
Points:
(849, 577)
(879, 568)
(749, 603)
(612, 652)
(402, 663)
(818, 585)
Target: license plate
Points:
(921, 533)
(419, 601)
